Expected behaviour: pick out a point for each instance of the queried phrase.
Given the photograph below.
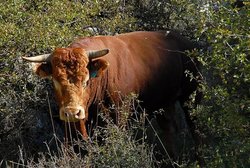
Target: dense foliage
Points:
(225, 114)
(31, 27)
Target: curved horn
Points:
(39, 58)
(97, 53)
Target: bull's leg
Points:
(83, 130)
(161, 132)
(72, 136)
(72, 130)
(198, 140)
(197, 137)
(176, 135)
(167, 124)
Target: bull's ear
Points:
(97, 67)
(43, 70)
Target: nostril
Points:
(66, 114)
(78, 114)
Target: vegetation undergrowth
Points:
(109, 146)
(29, 139)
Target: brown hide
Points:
(147, 63)
(150, 64)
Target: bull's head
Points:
(70, 72)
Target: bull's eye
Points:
(71, 80)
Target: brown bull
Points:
(105, 68)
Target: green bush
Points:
(224, 115)
(34, 27)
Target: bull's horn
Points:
(97, 53)
(39, 58)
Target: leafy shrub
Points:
(223, 117)
(34, 27)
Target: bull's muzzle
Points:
(72, 114)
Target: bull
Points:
(107, 68)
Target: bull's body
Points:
(146, 63)
(150, 64)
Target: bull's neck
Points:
(98, 87)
